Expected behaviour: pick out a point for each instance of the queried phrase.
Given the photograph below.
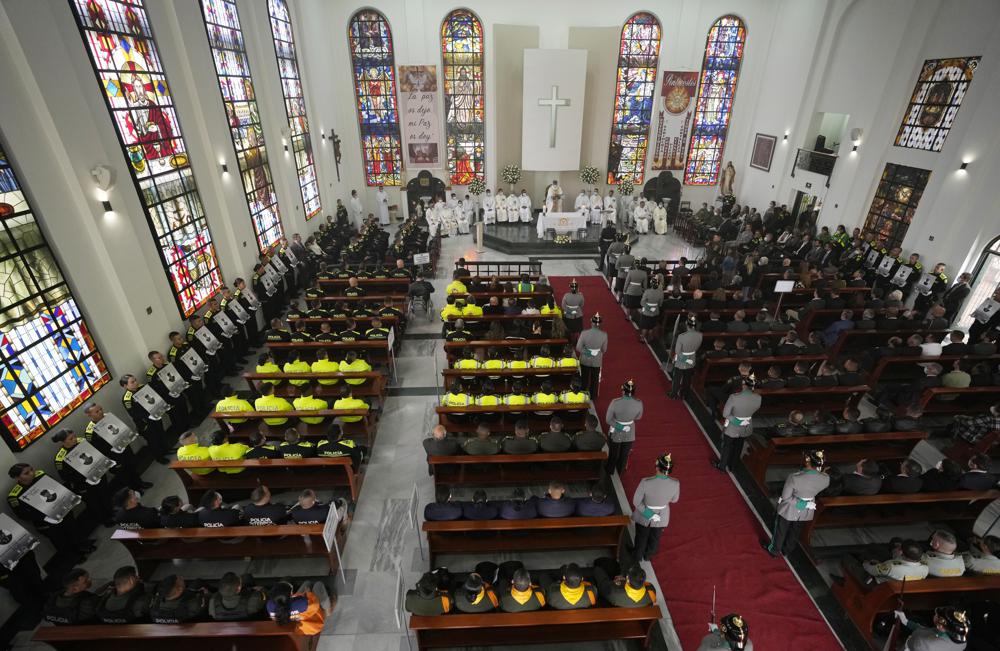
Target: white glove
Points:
(654, 518)
(712, 628)
(901, 616)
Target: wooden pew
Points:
(839, 448)
(207, 636)
(712, 370)
(504, 319)
(892, 508)
(364, 427)
(533, 377)
(375, 351)
(538, 534)
(572, 415)
(777, 401)
(453, 349)
(319, 473)
(539, 627)
(278, 541)
(854, 340)
(512, 268)
(381, 299)
(380, 285)
(501, 469)
(373, 387)
(339, 322)
(887, 368)
(969, 400)
(864, 602)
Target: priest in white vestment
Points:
(452, 201)
(449, 225)
(660, 219)
(463, 213)
(641, 216)
(610, 209)
(357, 210)
(512, 204)
(524, 207)
(382, 199)
(596, 207)
(489, 209)
(501, 207)
(553, 198)
(433, 219)
(471, 207)
(582, 202)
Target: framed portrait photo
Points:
(763, 152)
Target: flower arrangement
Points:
(511, 173)
(563, 239)
(589, 175)
(478, 186)
(625, 187)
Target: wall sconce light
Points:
(286, 149)
(964, 166)
(107, 207)
(786, 136)
(854, 149)
(225, 167)
(323, 133)
(855, 140)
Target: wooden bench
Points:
(839, 448)
(968, 400)
(374, 385)
(888, 368)
(778, 401)
(539, 627)
(893, 508)
(502, 379)
(313, 322)
(375, 351)
(381, 299)
(513, 268)
(207, 636)
(321, 472)
(537, 534)
(716, 369)
(864, 601)
(386, 285)
(276, 541)
(362, 428)
(854, 340)
(453, 349)
(501, 469)
(573, 415)
(484, 319)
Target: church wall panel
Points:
(601, 44)
(510, 41)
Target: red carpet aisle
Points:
(712, 537)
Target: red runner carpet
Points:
(712, 538)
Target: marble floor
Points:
(382, 544)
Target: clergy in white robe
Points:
(512, 207)
(382, 199)
(610, 210)
(472, 207)
(660, 219)
(463, 213)
(357, 210)
(553, 197)
(596, 207)
(449, 224)
(582, 201)
(489, 209)
(501, 207)
(433, 219)
(524, 207)
(452, 201)
(641, 216)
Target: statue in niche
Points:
(727, 179)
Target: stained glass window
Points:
(720, 72)
(939, 92)
(225, 39)
(48, 362)
(373, 66)
(464, 106)
(295, 105)
(638, 55)
(895, 201)
(122, 49)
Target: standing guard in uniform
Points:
(621, 416)
(591, 346)
(572, 308)
(608, 235)
(732, 634)
(652, 501)
(797, 503)
(650, 304)
(737, 423)
(685, 355)
(949, 633)
(151, 430)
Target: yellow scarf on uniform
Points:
(635, 594)
(521, 597)
(572, 595)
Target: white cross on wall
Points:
(553, 102)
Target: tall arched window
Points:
(374, 69)
(720, 71)
(464, 106)
(295, 105)
(638, 55)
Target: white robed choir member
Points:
(610, 209)
(524, 207)
(596, 207)
(463, 213)
(553, 197)
(641, 216)
(660, 219)
(489, 209)
(501, 207)
(382, 199)
(512, 204)
(356, 209)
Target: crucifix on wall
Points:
(553, 102)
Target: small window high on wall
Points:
(896, 198)
(373, 66)
(49, 364)
(464, 104)
(720, 72)
(638, 56)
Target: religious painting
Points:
(232, 69)
(418, 108)
(123, 52)
(720, 72)
(295, 105)
(49, 363)
(674, 122)
(464, 96)
(763, 151)
(938, 95)
(895, 202)
(374, 70)
(638, 57)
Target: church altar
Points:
(562, 222)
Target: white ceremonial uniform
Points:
(356, 211)
(382, 199)
(489, 209)
(524, 207)
(501, 207)
(462, 214)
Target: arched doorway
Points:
(985, 280)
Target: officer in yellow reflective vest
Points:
(307, 402)
(324, 365)
(354, 364)
(575, 395)
(270, 402)
(348, 401)
(232, 402)
(517, 395)
(222, 450)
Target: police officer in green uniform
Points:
(949, 632)
(591, 346)
(482, 443)
(240, 295)
(459, 333)
(180, 415)
(237, 600)
(151, 430)
(96, 497)
(126, 601)
(555, 440)
(732, 634)
(74, 603)
(520, 595)
(521, 442)
(66, 535)
(630, 590)
(125, 473)
(572, 592)
(174, 603)
(475, 596)
(377, 331)
(429, 599)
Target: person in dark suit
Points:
(865, 480)
(713, 324)
(956, 344)
(942, 478)
(978, 477)
(442, 508)
(479, 508)
(597, 505)
(955, 296)
(440, 444)
(907, 481)
(738, 324)
(555, 503)
(520, 507)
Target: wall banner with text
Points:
(677, 98)
(418, 105)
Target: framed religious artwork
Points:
(763, 152)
